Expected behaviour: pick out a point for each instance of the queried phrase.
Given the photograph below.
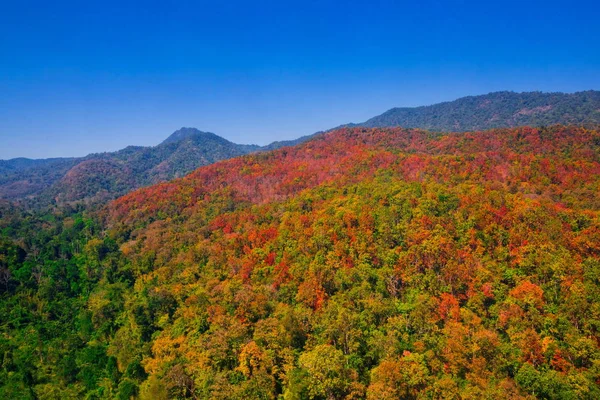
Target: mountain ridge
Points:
(46, 181)
(503, 109)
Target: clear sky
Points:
(88, 76)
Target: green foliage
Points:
(326, 374)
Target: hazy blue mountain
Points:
(496, 110)
(22, 177)
(21, 163)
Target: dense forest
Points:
(362, 264)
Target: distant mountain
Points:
(22, 177)
(103, 176)
(287, 143)
(496, 110)
(22, 164)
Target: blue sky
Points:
(80, 77)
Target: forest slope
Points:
(366, 263)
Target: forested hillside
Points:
(365, 263)
(496, 110)
(100, 177)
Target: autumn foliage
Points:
(367, 263)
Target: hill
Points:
(98, 177)
(496, 110)
(365, 263)
(22, 177)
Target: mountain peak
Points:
(185, 133)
